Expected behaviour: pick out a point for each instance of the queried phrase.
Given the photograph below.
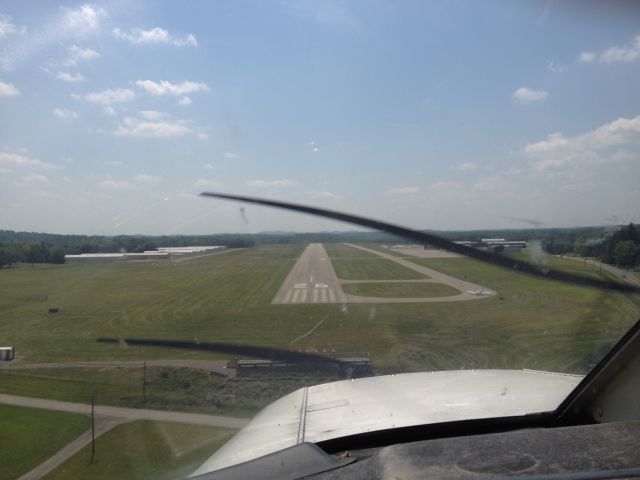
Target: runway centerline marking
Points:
(312, 271)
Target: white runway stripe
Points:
(296, 294)
(315, 295)
(324, 295)
(304, 296)
(332, 296)
(287, 297)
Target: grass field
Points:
(158, 450)
(340, 250)
(530, 323)
(166, 388)
(400, 290)
(373, 269)
(29, 436)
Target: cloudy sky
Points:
(453, 115)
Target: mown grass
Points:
(158, 450)
(29, 436)
(373, 269)
(400, 290)
(531, 322)
(341, 250)
(166, 388)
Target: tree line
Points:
(618, 247)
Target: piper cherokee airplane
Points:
(463, 424)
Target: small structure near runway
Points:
(352, 365)
(7, 354)
(162, 253)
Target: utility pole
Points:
(144, 381)
(93, 430)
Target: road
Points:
(217, 366)
(106, 418)
(624, 276)
(103, 425)
(311, 280)
(124, 414)
(468, 290)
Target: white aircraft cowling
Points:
(348, 407)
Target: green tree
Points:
(624, 253)
(56, 255)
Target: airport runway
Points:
(311, 280)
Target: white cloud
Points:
(36, 178)
(155, 36)
(70, 77)
(208, 166)
(153, 114)
(466, 167)
(6, 26)
(144, 178)
(556, 67)
(83, 19)
(110, 96)
(628, 53)
(65, 114)
(141, 127)
(207, 183)
(114, 185)
(110, 111)
(324, 194)
(285, 182)
(402, 191)
(76, 54)
(10, 160)
(230, 155)
(184, 101)
(602, 145)
(625, 54)
(8, 90)
(445, 185)
(526, 95)
(167, 88)
(587, 57)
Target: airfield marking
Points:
(310, 331)
(332, 296)
(311, 280)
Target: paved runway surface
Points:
(311, 280)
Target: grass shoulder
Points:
(373, 269)
(400, 290)
(145, 449)
(30, 436)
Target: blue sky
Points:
(448, 115)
